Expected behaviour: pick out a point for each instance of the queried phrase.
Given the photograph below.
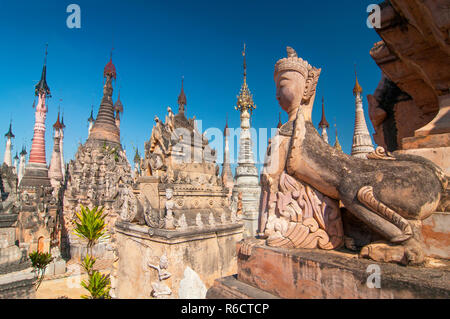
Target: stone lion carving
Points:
(304, 177)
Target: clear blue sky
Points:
(156, 42)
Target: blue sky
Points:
(157, 42)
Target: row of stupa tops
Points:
(106, 127)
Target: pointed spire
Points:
(181, 98)
(137, 157)
(110, 69)
(10, 134)
(24, 151)
(91, 118)
(357, 89)
(118, 106)
(42, 86)
(225, 130)
(244, 65)
(16, 157)
(62, 121)
(337, 145)
(105, 127)
(323, 122)
(57, 125)
(280, 124)
(245, 98)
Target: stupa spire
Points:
(55, 169)
(105, 128)
(118, 108)
(22, 163)
(246, 177)
(323, 124)
(227, 175)
(362, 141)
(337, 145)
(36, 172)
(182, 102)
(37, 153)
(8, 155)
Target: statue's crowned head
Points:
(296, 83)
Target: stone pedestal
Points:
(188, 260)
(16, 275)
(319, 274)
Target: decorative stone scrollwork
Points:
(380, 153)
(301, 217)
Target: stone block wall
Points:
(195, 259)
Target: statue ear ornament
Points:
(311, 84)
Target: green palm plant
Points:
(98, 286)
(90, 225)
(39, 262)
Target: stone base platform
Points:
(18, 284)
(318, 274)
(195, 257)
(231, 288)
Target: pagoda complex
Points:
(99, 175)
(246, 176)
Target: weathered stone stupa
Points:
(38, 200)
(16, 276)
(362, 142)
(246, 177)
(8, 156)
(99, 174)
(178, 217)
(36, 171)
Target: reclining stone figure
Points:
(304, 178)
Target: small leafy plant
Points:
(90, 226)
(39, 262)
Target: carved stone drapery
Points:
(301, 217)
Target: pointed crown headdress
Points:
(294, 63)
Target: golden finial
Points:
(357, 89)
(337, 145)
(245, 98)
(245, 65)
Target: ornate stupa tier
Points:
(36, 171)
(100, 174)
(246, 177)
(105, 129)
(179, 172)
(362, 141)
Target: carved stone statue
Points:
(304, 177)
(169, 221)
(160, 289)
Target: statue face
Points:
(169, 193)
(290, 87)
